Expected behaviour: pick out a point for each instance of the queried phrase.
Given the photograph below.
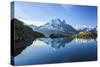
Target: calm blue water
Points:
(47, 50)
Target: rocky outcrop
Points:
(23, 36)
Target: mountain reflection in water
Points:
(47, 50)
(56, 42)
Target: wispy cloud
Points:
(29, 22)
(67, 7)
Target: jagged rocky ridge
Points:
(56, 26)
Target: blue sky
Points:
(40, 13)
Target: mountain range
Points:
(59, 27)
(55, 26)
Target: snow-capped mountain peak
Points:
(56, 26)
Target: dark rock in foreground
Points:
(23, 36)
